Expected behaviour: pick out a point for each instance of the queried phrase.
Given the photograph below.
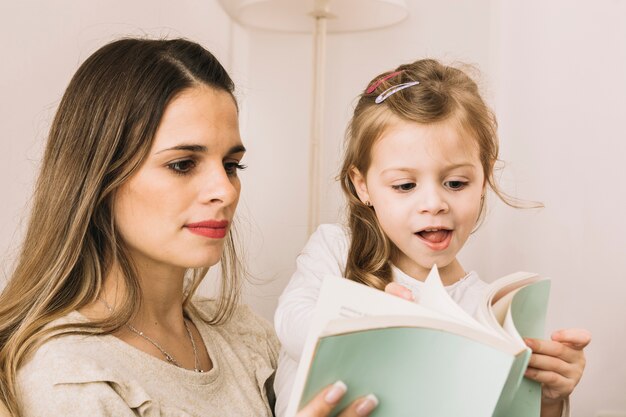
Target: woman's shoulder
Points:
(65, 366)
(61, 347)
(65, 355)
(243, 322)
(242, 314)
(244, 332)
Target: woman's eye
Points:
(183, 166)
(455, 185)
(231, 168)
(407, 186)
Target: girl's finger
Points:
(398, 290)
(557, 365)
(554, 349)
(555, 381)
(576, 338)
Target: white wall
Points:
(553, 70)
(561, 98)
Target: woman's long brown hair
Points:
(101, 134)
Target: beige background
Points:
(554, 71)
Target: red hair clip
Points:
(378, 82)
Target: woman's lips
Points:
(215, 229)
(436, 240)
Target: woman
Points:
(134, 202)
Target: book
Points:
(429, 357)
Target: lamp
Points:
(320, 17)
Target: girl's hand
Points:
(398, 290)
(558, 364)
(324, 402)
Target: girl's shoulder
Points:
(332, 231)
(331, 238)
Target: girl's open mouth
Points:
(435, 239)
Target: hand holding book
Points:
(558, 365)
(324, 403)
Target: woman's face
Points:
(177, 209)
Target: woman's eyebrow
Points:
(201, 148)
(184, 147)
(236, 149)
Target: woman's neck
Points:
(161, 297)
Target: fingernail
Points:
(367, 405)
(409, 295)
(336, 392)
(529, 342)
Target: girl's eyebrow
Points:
(202, 148)
(447, 167)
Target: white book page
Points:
(509, 326)
(497, 299)
(435, 297)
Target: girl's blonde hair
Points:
(443, 93)
(101, 134)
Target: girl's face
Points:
(176, 210)
(425, 183)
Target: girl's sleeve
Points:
(323, 256)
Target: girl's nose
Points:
(432, 200)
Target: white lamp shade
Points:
(296, 15)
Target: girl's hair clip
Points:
(378, 82)
(392, 90)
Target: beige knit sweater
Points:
(99, 376)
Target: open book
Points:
(426, 358)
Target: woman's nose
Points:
(219, 187)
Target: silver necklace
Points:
(168, 357)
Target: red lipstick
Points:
(215, 229)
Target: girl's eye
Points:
(182, 167)
(455, 185)
(231, 168)
(407, 186)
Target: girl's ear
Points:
(358, 181)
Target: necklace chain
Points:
(168, 357)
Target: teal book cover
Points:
(429, 358)
(412, 371)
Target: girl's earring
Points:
(367, 203)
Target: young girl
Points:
(420, 153)
(135, 201)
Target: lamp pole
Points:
(320, 14)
